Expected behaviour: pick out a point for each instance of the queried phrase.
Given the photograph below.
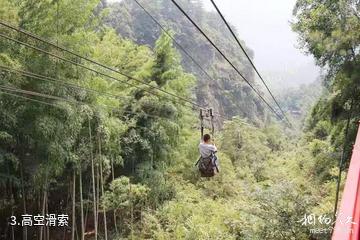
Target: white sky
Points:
(265, 27)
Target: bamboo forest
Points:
(110, 109)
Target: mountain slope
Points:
(226, 92)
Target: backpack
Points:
(207, 166)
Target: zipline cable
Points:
(100, 64)
(32, 93)
(89, 60)
(12, 89)
(227, 59)
(56, 45)
(45, 78)
(58, 81)
(101, 73)
(63, 108)
(66, 84)
(247, 56)
(31, 99)
(74, 102)
(98, 72)
(174, 40)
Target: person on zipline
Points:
(208, 150)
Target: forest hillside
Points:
(218, 86)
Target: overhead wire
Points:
(66, 84)
(57, 81)
(28, 92)
(227, 59)
(247, 56)
(100, 73)
(183, 50)
(174, 40)
(34, 36)
(180, 98)
(61, 107)
(33, 93)
(71, 101)
(90, 69)
(30, 99)
(71, 85)
(176, 43)
(83, 66)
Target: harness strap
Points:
(198, 161)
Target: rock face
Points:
(225, 91)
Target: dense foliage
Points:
(50, 150)
(329, 30)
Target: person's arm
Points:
(214, 148)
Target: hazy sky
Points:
(265, 27)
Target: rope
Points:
(76, 103)
(174, 40)
(58, 106)
(79, 65)
(177, 43)
(58, 81)
(226, 58)
(88, 60)
(30, 99)
(247, 56)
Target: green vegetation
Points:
(124, 166)
(226, 92)
(298, 102)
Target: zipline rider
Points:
(208, 162)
